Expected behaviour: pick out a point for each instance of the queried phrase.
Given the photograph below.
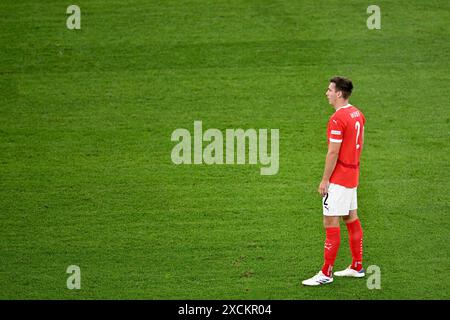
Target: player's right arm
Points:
(363, 130)
(362, 139)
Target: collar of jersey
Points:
(346, 106)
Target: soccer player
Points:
(345, 134)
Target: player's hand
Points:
(323, 188)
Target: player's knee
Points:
(352, 216)
(329, 222)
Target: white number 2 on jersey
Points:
(358, 129)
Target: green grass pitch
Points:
(86, 176)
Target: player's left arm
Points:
(330, 164)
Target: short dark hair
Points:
(344, 85)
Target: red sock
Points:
(332, 243)
(355, 235)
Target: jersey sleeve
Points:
(336, 130)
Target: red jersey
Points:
(346, 126)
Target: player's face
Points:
(331, 93)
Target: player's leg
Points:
(331, 205)
(332, 243)
(355, 233)
(352, 216)
(335, 205)
(331, 246)
(331, 221)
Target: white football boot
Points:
(317, 280)
(349, 272)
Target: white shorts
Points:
(339, 200)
